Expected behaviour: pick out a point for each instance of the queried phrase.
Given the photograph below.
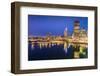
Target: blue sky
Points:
(40, 25)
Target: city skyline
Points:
(40, 25)
(49, 39)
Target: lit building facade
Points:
(76, 29)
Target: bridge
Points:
(52, 42)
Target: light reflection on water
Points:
(50, 45)
(45, 51)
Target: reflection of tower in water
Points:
(65, 46)
(32, 45)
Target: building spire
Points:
(65, 32)
(66, 29)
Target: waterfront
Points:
(55, 51)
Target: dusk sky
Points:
(40, 25)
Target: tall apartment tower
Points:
(76, 28)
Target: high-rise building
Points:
(83, 33)
(76, 28)
(65, 32)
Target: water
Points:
(48, 53)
